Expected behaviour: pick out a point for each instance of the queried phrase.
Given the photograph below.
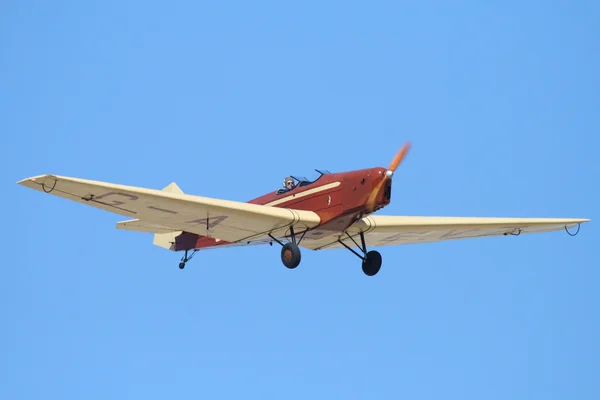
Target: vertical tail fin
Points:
(172, 188)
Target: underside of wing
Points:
(165, 211)
(397, 230)
(175, 240)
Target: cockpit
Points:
(294, 181)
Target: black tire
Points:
(181, 265)
(290, 255)
(372, 263)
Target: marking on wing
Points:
(451, 234)
(209, 222)
(162, 209)
(115, 203)
(476, 232)
(303, 194)
(409, 235)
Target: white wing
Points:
(162, 211)
(397, 230)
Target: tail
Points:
(163, 236)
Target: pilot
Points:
(288, 183)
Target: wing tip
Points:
(576, 221)
(34, 179)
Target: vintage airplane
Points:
(333, 211)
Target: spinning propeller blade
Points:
(398, 159)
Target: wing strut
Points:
(371, 260)
(363, 248)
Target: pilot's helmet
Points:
(288, 181)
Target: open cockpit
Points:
(294, 181)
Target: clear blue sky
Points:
(501, 102)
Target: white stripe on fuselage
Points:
(303, 194)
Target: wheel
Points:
(181, 265)
(290, 255)
(372, 263)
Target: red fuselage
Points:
(339, 199)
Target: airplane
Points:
(333, 211)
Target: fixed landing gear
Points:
(290, 252)
(371, 261)
(185, 258)
(290, 255)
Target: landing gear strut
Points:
(371, 261)
(290, 252)
(185, 258)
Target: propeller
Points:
(396, 161)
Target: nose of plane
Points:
(383, 186)
(386, 191)
(381, 193)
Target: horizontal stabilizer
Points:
(163, 235)
(166, 240)
(143, 226)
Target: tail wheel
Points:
(290, 255)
